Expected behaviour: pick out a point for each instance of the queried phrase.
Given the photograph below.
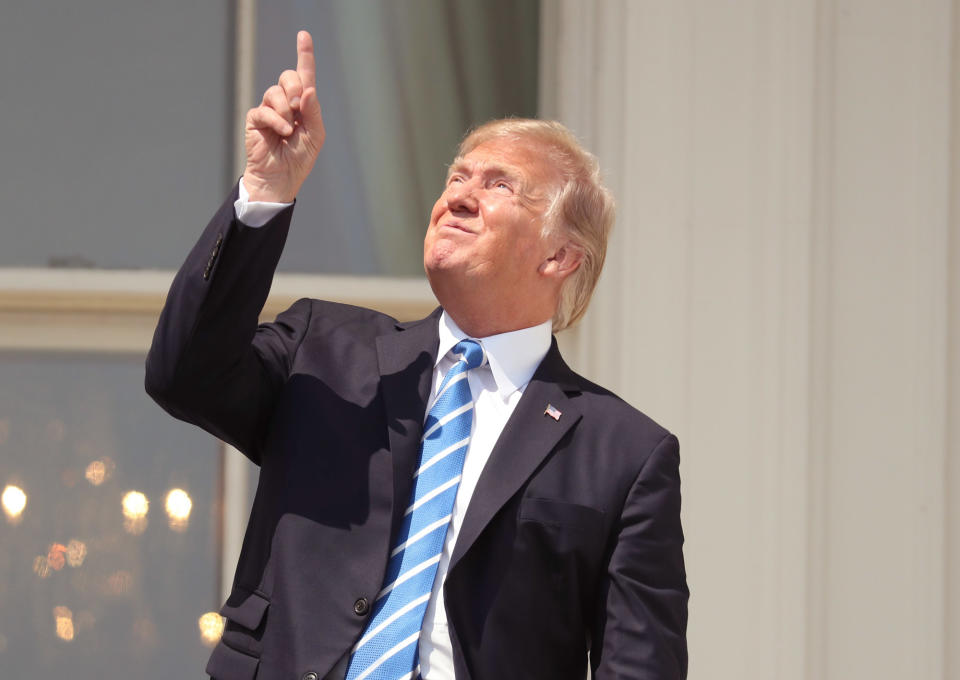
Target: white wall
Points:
(952, 535)
(780, 291)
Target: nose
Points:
(461, 198)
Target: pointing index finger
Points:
(306, 66)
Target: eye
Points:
(503, 186)
(455, 179)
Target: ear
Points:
(563, 262)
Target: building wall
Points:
(782, 292)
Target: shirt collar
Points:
(513, 356)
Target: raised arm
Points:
(210, 362)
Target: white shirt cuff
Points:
(255, 213)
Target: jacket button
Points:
(309, 675)
(361, 606)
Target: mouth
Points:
(457, 227)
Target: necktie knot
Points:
(471, 352)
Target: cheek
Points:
(526, 257)
(430, 234)
(438, 209)
(520, 242)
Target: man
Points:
(442, 498)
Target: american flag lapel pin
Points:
(553, 412)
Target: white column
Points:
(952, 562)
(880, 318)
(237, 469)
(776, 293)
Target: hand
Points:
(285, 133)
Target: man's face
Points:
(486, 226)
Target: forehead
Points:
(508, 156)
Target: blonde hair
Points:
(581, 208)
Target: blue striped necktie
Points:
(388, 649)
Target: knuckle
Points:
(289, 79)
(273, 94)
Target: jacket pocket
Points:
(238, 654)
(245, 607)
(559, 546)
(561, 513)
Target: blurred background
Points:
(782, 290)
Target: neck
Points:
(483, 326)
(481, 318)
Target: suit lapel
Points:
(406, 361)
(527, 438)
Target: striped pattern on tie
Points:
(387, 650)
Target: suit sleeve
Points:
(210, 363)
(640, 630)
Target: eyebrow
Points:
(495, 169)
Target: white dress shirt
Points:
(496, 388)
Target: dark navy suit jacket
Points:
(572, 541)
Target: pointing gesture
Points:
(285, 133)
(306, 67)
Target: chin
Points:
(442, 256)
(446, 276)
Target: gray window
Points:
(118, 134)
(115, 134)
(110, 524)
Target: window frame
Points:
(114, 312)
